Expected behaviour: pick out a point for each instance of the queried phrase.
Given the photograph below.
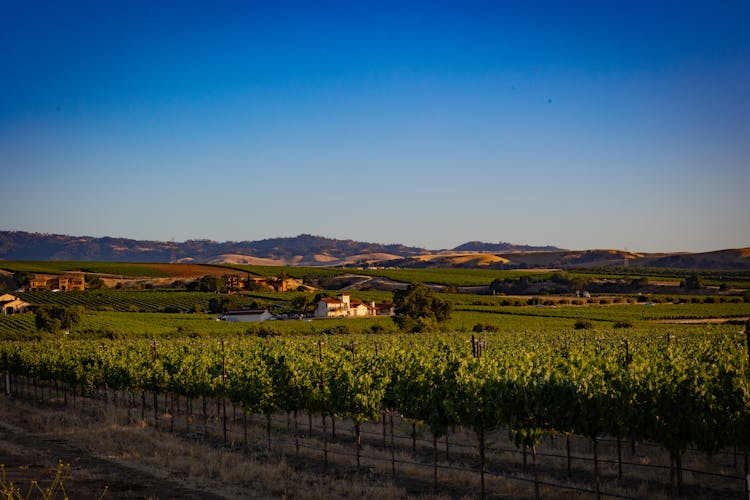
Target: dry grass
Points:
(158, 456)
(464, 259)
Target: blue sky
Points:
(576, 124)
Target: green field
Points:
(122, 312)
(453, 277)
(448, 277)
(121, 315)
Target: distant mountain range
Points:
(303, 249)
(308, 250)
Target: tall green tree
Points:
(418, 310)
(694, 282)
(53, 319)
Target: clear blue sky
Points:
(577, 124)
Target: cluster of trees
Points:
(54, 318)
(418, 310)
(207, 284)
(562, 282)
(557, 283)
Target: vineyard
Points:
(686, 393)
(614, 313)
(123, 300)
(125, 313)
(605, 396)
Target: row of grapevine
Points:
(695, 392)
(122, 300)
(621, 312)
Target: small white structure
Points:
(247, 316)
(10, 304)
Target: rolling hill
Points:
(309, 250)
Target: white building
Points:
(343, 307)
(247, 316)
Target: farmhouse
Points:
(10, 304)
(63, 283)
(342, 307)
(345, 307)
(247, 316)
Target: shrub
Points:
(188, 332)
(485, 327)
(623, 324)
(377, 328)
(694, 282)
(582, 324)
(339, 330)
(263, 330)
